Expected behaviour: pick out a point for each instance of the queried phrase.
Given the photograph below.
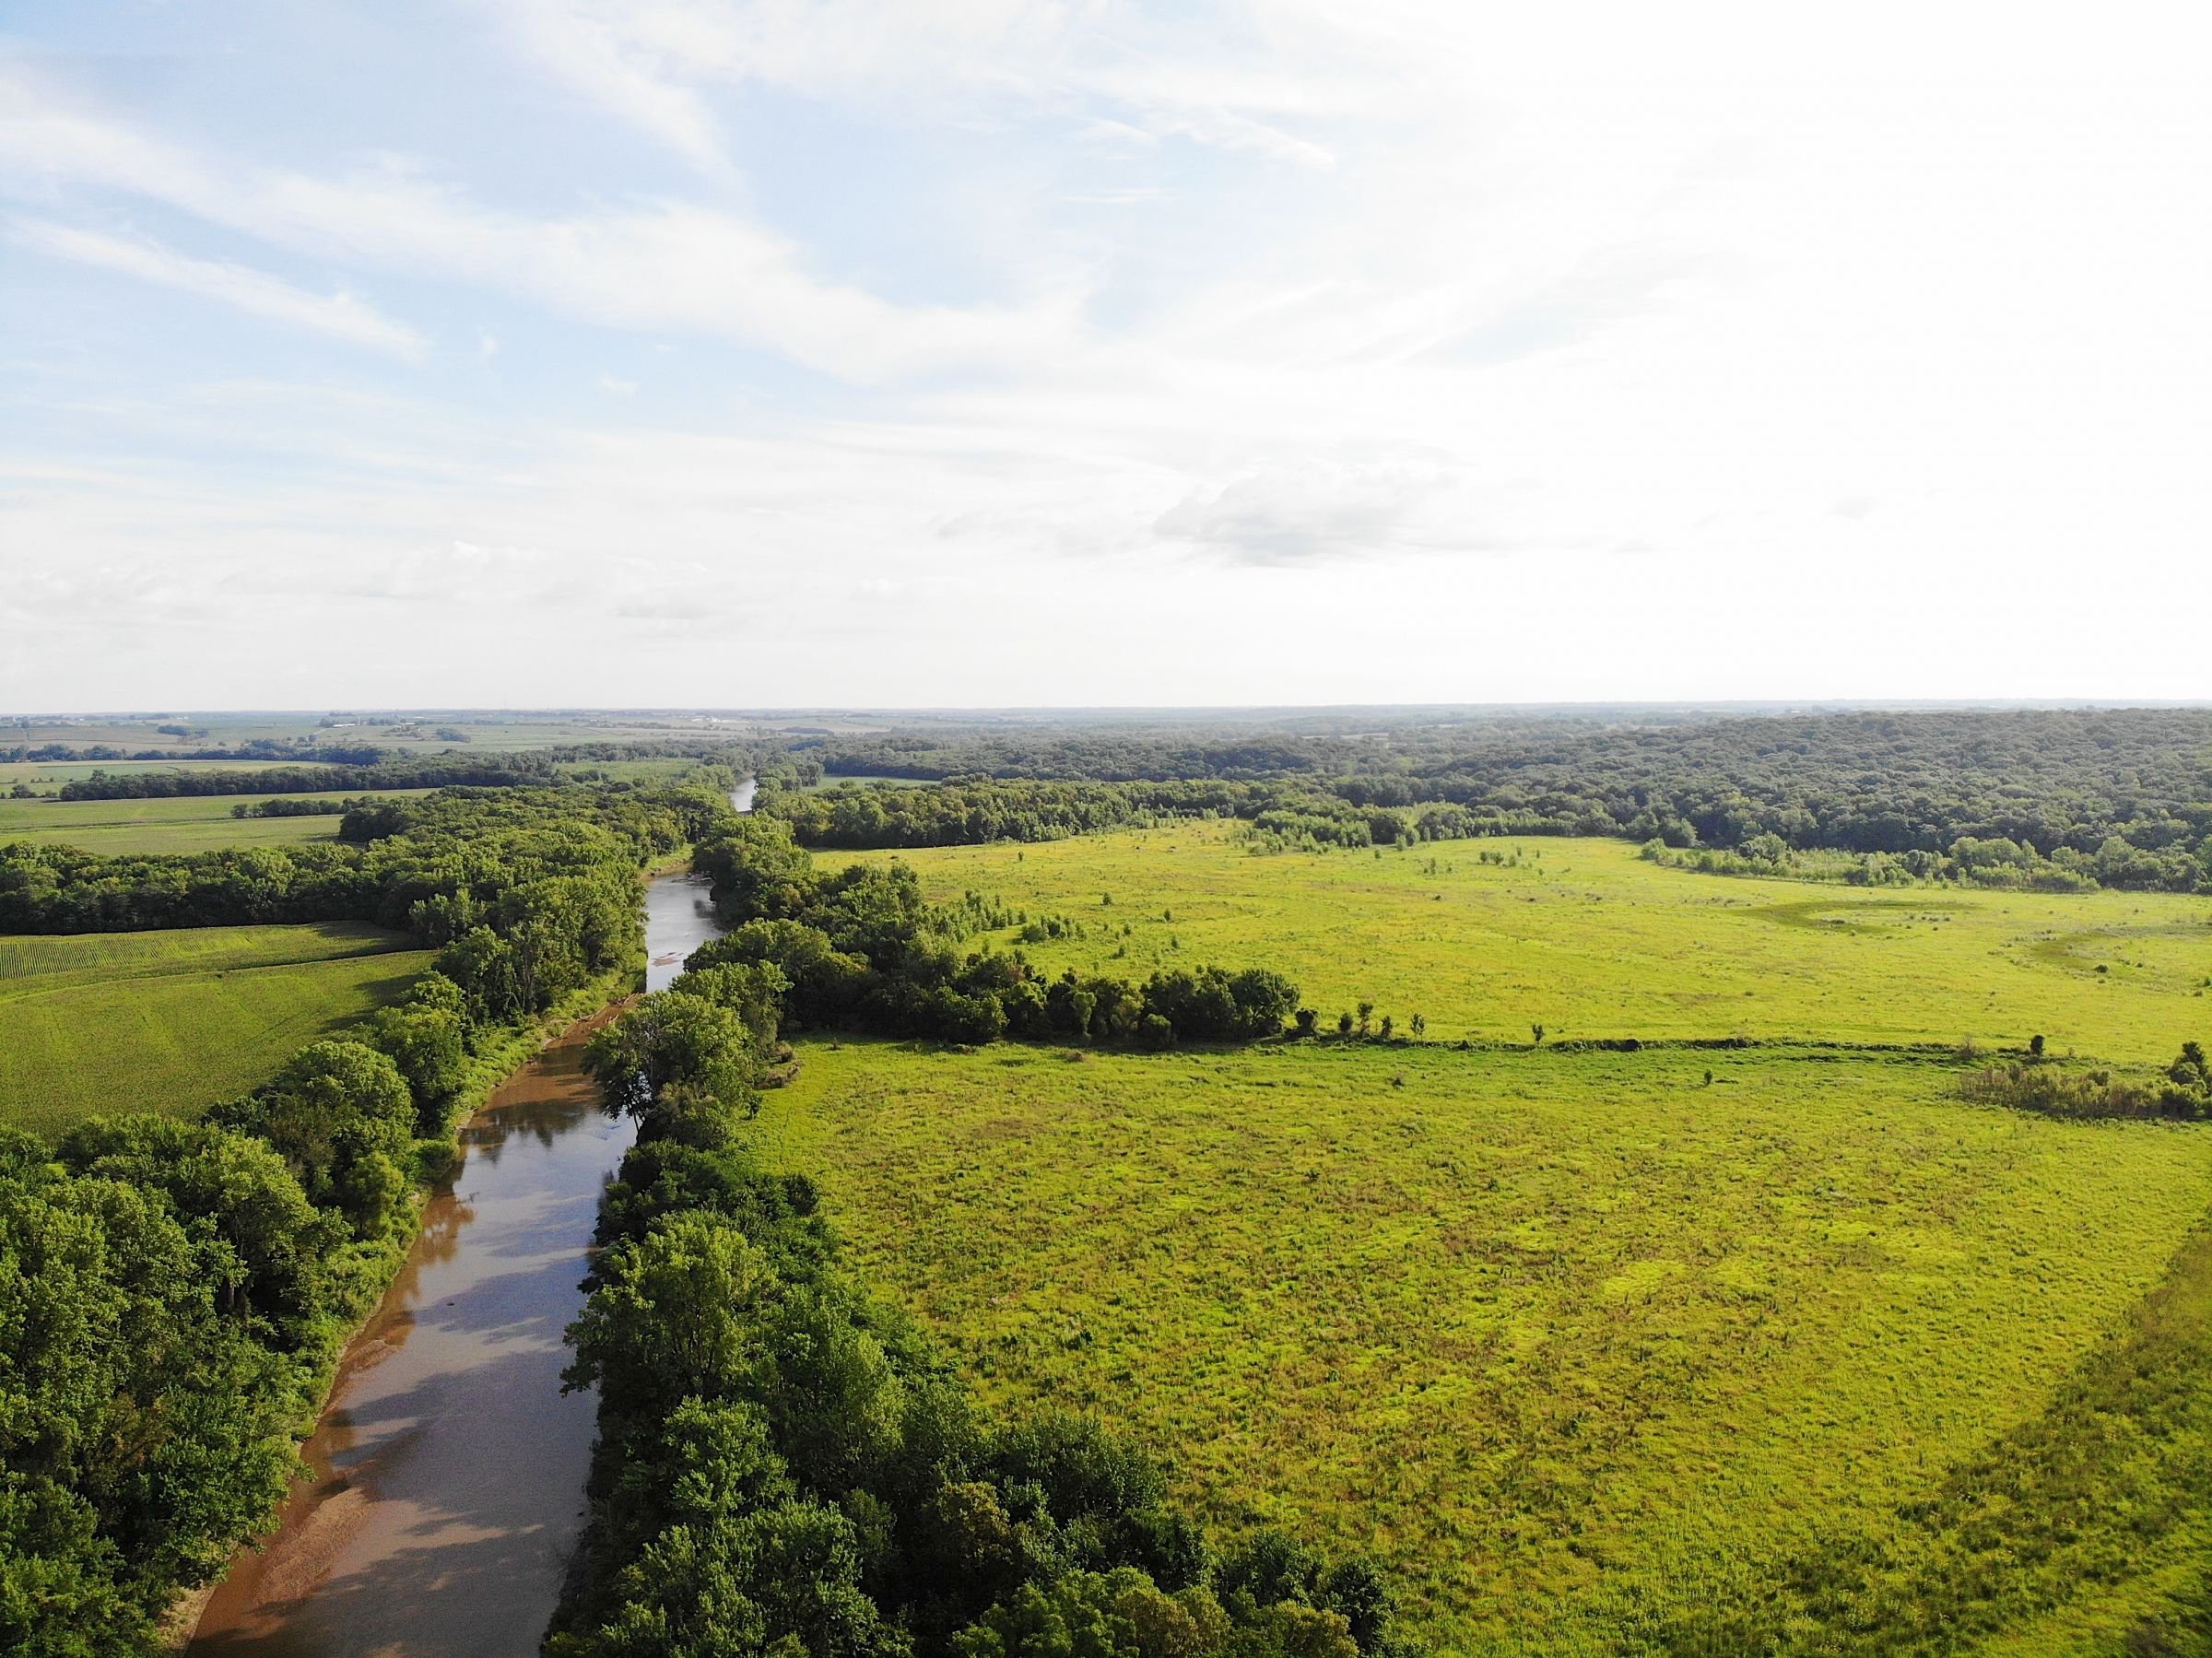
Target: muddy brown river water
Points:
(447, 1472)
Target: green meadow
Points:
(1581, 1346)
(175, 1021)
(1781, 1349)
(1589, 940)
(177, 824)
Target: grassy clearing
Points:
(181, 824)
(1589, 940)
(863, 781)
(1597, 1355)
(175, 1021)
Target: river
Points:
(446, 1474)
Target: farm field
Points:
(175, 1021)
(179, 824)
(1589, 940)
(1596, 1356)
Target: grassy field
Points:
(1599, 1355)
(181, 823)
(1589, 940)
(1590, 1351)
(863, 781)
(175, 1021)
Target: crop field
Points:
(174, 1021)
(1779, 1348)
(1587, 939)
(180, 824)
(1591, 1351)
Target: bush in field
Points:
(2183, 1093)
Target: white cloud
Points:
(339, 314)
(1309, 351)
(662, 266)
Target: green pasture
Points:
(1587, 939)
(174, 1021)
(175, 824)
(1595, 1355)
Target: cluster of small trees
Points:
(786, 1466)
(860, 949)
(2182, 1094)
(1996, 861)
(280, 806)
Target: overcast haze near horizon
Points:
(915, 353)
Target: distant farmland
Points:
(174, 1021)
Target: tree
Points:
(340, 1115)
(674, 1038)
(1536, 1034)
(676, 1316)
(1344, 1024)
(273, 1273)
(1367, 1014)
(427, 1041)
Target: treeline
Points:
(423, 865)
(975, 810)
(2055, 798)
(302, 751)
(173, 1294)
(1088, 754)
(428, 772)
(328, 770)
(860, 949)
(2183, 1094)
(1887, 783)
(785, 1466)
(287, 806)
(1971, 862)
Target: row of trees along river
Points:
(448, 1468)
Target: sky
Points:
(968, 352)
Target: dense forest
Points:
(2053, 798)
